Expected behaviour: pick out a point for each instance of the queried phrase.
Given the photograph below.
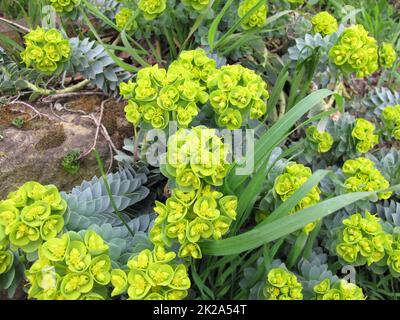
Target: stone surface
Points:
(35, 151)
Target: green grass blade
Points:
(117, 60)
(276, 133)
(120, 216)
(214, 25)
(297, 249)
(280, 227)
(299, 194)
(132, 51)
(197, 24)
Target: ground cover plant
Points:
(259, 157)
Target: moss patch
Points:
(54, 138)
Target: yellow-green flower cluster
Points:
(340, 290)
(361, 175)
(29, 215)
(153, 275)
(293, 177)
(196, 4)
(324, 23)
(387, 55)
(123, 19)
(362, 240)
(45, 51)
(363, 133)
(355, 52)
(255, 20)
(188, 217)
(71, 267)
(195, 156)
(152, 8)
(160, 95)
(282, 285)
(236, 94)
(296, 2)
(6, 261)
(393, 254)
(64, 6)
(195, 211)
(391, 118)
(322, 140)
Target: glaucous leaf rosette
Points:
(123, 19)
(159, 95)
(292, 178)
(189, 217)
(237, 94)
(30, 215)
(46, 50)
(340, 290)
(282, 284)
(71, 267)
(363, 134)
(322, 141)
(361, 175)
(324, 23)
(255, 20)
(362, 240)
(153, 275)
(355, 52)
(391, 118)
(64, 6)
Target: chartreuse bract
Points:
(124, 19)
(71, 267)
(324, 23)
(282, 284)
(46, 50)
(356, 52)
(340, 290)
(196, 162)
(292, 178)
(361, 175)
(152, 275)
(391, 119)
(322, 141)
(363, 133)
(362, 240)
(64, 6)
(235, 94)
(257, 19)
(31, 215)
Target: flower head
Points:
(324, 23)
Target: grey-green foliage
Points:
(10, 280)
(379, 99)
(93, 62)
(388, 163)
(107, 7)
(340, 130)
(12, 75)
(90, 204)
(326, 73)
(388, 211)
(313, 270)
